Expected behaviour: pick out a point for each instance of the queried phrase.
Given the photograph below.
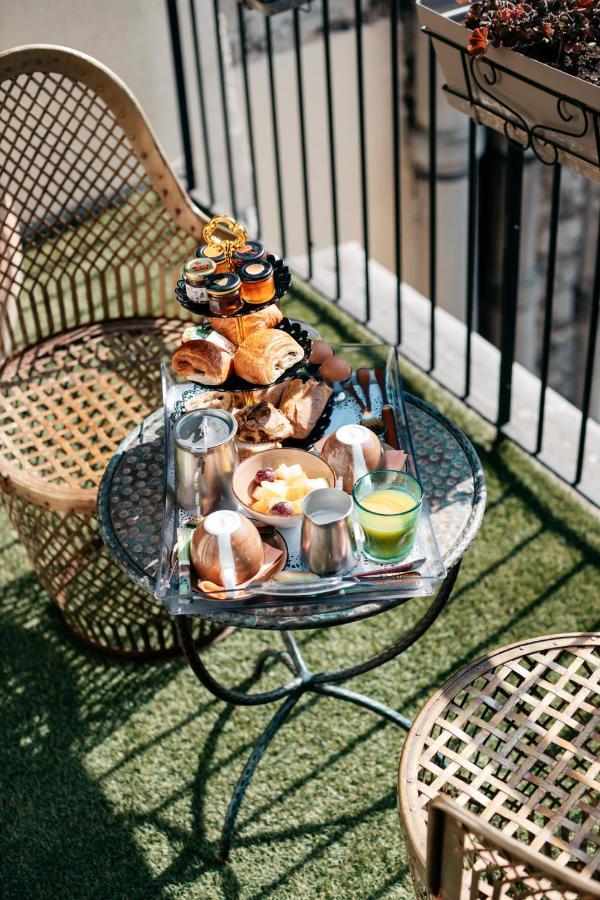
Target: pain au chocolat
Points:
(265, 355)
(203, 361)
(237, 329)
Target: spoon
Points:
(369, 420)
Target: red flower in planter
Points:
(478, 41)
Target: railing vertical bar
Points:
(302, 125)
(225, 109)
(432, 200)
(332, 163)
(248, 105)
(396, 163)
(510, 278)
(276, 136)
(589, 363)
(549, 303)
(471, 249)
(184, 119)
(364, 190)
(203, 116)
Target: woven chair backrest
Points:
(93, 222)
(468, 859)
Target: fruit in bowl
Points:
(282, 490)
(271, 485)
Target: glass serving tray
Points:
(312, 589)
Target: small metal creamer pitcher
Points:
(328, 536)
(205, 457)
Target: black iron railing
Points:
(253, 37)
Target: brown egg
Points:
(321, 350)
(335, 368)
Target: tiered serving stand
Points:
(453, 484)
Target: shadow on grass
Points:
(58, 834)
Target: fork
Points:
(374, 423)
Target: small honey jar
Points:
(224, 293)
(209, 251)
(195, 272)
(258, 285)
(248, 252)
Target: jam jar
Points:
(258, 285)
(208, 251)
(195, 272)
(248, 252)
(224, 293)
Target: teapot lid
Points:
(202, 429)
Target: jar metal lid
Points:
(196, 270)
(208, 251)
(201, 430)
(256, 270)
(249, 251)
(225, 283)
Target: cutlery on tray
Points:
(389, 418)
(369, 420)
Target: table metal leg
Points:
(332, 690)
(249, 769)
(323, 683)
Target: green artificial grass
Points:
(115, 778)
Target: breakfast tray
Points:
(310, 589)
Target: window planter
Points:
(536, 106)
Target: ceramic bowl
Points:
(243, 479)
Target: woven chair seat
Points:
(515, 740)
(66, 403)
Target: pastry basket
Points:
(308, 590)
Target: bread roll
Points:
(262, 422)
(264, 356)
(258, 321)
(203, 362)
(303, 402)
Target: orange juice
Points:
(388, 517)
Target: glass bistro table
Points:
(130, 505)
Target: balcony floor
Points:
(115, 778)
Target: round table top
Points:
(515, 739)
(130, 503)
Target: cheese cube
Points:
(275, 489)
(288, 473)
(295, 493)
(313, 484)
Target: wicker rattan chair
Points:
(469, 859)
(512, 742)
(93, 228)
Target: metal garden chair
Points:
(468, 858)
(94, 226)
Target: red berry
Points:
(283, 508)
(265, 475)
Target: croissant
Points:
(266, 355)
(236, 329)
(203, 362)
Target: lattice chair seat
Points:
(514, 741)
(94, 227)
(68, 402)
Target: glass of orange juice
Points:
(388, 504)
